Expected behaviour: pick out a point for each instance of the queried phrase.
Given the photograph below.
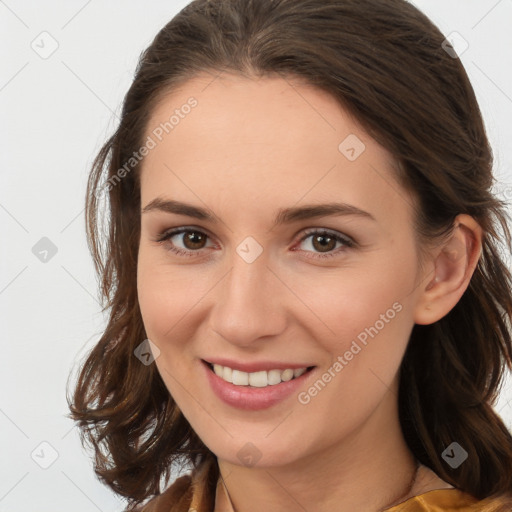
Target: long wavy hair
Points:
(388, 65)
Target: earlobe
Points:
(454, 264)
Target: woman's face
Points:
(295, 249)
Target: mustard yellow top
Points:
(191, 493)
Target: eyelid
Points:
(337, 234)
(165, 235)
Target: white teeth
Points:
(287, 375)
(274, 377)
(259, 379)
(227, 375)
(298, 372)
(240, 378)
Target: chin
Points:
(255, 453)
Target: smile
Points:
(259, 379)
(255, 385)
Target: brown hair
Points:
(384, 61)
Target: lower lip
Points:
(252, 398)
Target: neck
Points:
(370, 471)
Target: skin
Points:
(249, 148)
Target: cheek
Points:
(372, 322)
(166, 293)
(158, 298)
(167, 299)
(344, 304)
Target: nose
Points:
(249, 303)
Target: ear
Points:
(455, 261)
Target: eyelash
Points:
(348, 242)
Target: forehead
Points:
(268, 139)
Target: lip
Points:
(253, 399)
(257, 366)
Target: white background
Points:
(55, 114)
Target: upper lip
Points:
(256, 366)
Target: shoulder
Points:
(176, 498)
(501, 503)
(453, 500)
(193, 491)
(432, 494)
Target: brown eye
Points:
(324, 243)
(183, 241)
(194, 240)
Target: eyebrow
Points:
(283, 216)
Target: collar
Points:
(203, 501)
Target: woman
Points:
(308, 306)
